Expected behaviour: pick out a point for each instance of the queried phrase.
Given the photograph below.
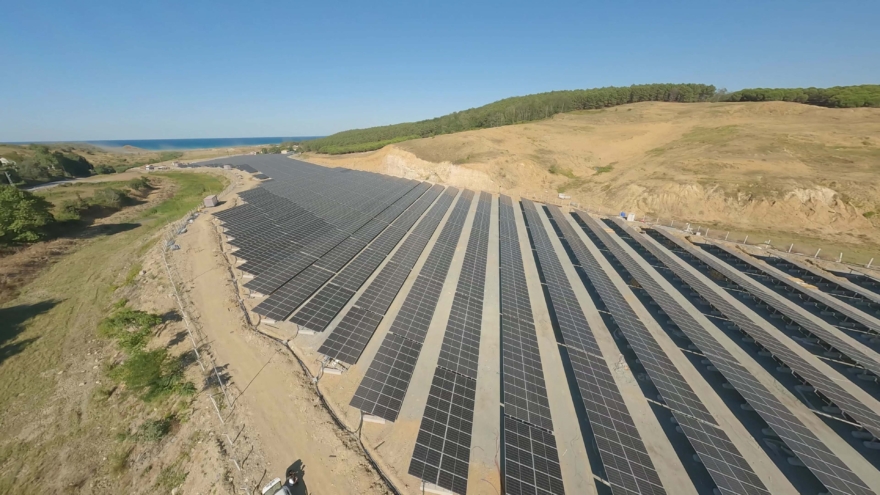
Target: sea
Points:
(183, 144)
(198, 143)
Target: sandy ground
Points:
(274, 397)
(807, 172)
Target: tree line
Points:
(508, 111)
(544, 105)
(865, 95)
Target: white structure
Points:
(6, 161)
(211, 201)
(564, 196)
(284, 152)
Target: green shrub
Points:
(109, 198)
(71, 209)
(155, 429)
(23, 215)
(140, 184)
(131, 328)
(154, 375)
(105, 169)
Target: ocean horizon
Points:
(183, 144)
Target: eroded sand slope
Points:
(809, 171)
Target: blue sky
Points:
(128, 70)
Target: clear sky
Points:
(158, 69)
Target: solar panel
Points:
(383, 289)
(326, 304)
(413, 319)
(820, 381)
(383, 388)
(839, 287)
(623, 454)
(675, 391)
(531, 462)
(770, 276)
(442, 450)
(813, 453)
(811, 326)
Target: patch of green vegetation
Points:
(117, 461)
(156, 429)
(191, 188)
(556, 170)
(711, 135)
(171, 476)
(571, 185)
(130, 328)
(140, 184)
(132, 273)
(154, 375)
(869, 214)
(109, 197)
(604, 169)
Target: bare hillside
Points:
(807, 172)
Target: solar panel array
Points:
(319, 311)
(289, 224)
(839, 287)
(531, 460)
(819, 330)
(348, 340)
(833, 473)
(849, 405)
(836, 312)
(311, 238)
(443, 446)
(625, 459)
(320, 238)
(727, 467)
(384, 386)
(299, 288)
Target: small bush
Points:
(71, 209)
(869, 214)
(171, 477)
(105, 169)
(605, 169)
(109, 198)
(118, 460)
(156, 429)
(131, 328)
(153, 374)
(140, 184)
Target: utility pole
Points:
(8, 177)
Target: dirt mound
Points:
(798, 169)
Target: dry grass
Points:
(59, 419)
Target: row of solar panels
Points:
(531, 462)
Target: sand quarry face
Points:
(806, 170)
